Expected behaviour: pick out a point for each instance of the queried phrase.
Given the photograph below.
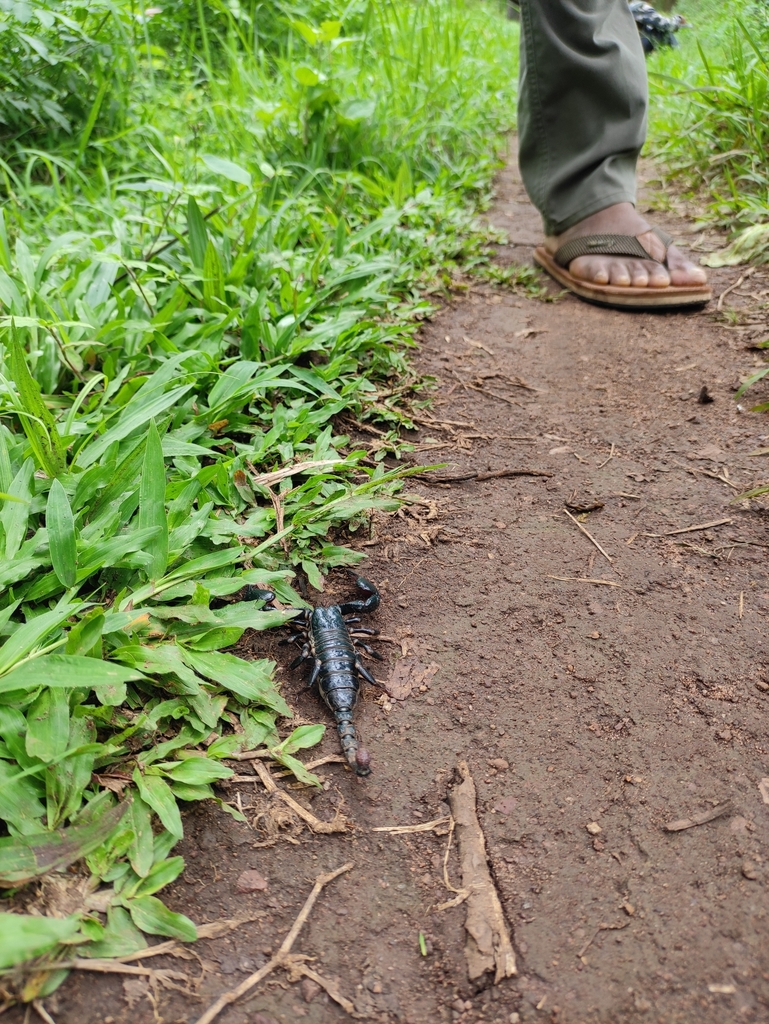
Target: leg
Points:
(582, 122)
(315, 673)
(305, 654)
(367, 649)
(364, 672)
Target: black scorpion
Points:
(327, 639)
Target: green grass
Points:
(219, 230)
(710, 111)
(709, 125)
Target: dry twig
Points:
(339, 824)
(597, 932)
(41, 1011)
(611, 456)
(732, 287)
(267, 479)
(475, 474)
(488, 944)
(298, 969)
(583, 579)
(699, 819)
(281, 957)
(461, 894)
(690, 529)
(589, 536)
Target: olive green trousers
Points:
(581, 107)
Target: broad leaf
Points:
(155, 918)
(23, 858)
(66, 670)
(24, 936)
(61, 535)
(152, 503)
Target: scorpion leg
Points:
(364, 672)
(368, 650)
(292, 639)
(363, 631)
(305, 654)
(315, 673)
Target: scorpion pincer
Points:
(328, 640)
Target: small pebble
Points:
(594, 828)
(749, 870)
(309, 989)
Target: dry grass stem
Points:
(611, 456)
(339, 824)
(589, 536)
(297, 970)
(425, 826)
(733, 287)
(690, 529)
(41, 1011)
(583, 579)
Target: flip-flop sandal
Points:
(614, 295)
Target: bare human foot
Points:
(624, 271)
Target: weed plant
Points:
(218, 226)
(710, 109)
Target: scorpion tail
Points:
(358, 757)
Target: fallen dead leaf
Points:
(488, 947)
(406, 674)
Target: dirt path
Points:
(627, 706)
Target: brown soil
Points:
(628, 706)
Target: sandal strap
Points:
(609, 245)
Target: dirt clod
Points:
(309, 989)
(250, 881)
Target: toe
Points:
(590, 268)
(682, 270)
(639, 274)
(619, 273)
(658, 276)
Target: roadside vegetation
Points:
(710, 126)
(219, 226)
(710, 114)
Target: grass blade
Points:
(61, 535)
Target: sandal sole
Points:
(615, 297)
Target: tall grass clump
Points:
(710, 109)
(218, 223)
